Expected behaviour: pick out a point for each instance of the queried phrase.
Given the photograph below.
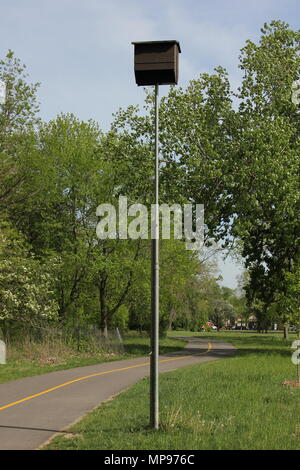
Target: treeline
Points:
(240, 160)
(53, 267)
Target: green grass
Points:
(236, 403)
(41, 359)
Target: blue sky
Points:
(81, 51)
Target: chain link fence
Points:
(60, 340)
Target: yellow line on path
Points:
(95, 375)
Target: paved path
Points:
(33, 409)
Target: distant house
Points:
(250, 323)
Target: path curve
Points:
(33, 409)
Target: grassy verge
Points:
(237, 403)
(35, 359)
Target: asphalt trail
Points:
(33, 409)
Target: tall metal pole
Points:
(154, 389)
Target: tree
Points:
(26, 285)
(266, 177)
(221, 309)
(57, 219)
(287, 300)
(194, 145)
(18, 118)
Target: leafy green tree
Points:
(266, 176)
(55, 219)
(286, 306)
(26, 285)
(194, 145)
(18, 118)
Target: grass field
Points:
(35, 359)
(236, 403)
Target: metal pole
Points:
(154, 391)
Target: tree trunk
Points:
(103, 308)
(172, 318)
(103, 327)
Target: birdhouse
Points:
(156, 62)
